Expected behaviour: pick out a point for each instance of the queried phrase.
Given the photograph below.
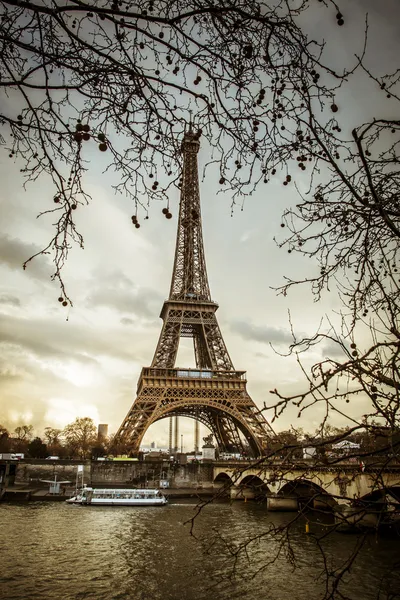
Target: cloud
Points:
(10, 300)
(143, 302)
(261, 355)
(265, 335)
(246, 235)
(333, 350)
(65, 410)
(54, 390)
(127, 321)
(14, 252)
(46, 338)
(121, 294)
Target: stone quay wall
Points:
(150, 473)
(30, 472)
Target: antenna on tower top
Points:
(190, 121)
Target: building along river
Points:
(55, 550)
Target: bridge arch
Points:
(378, 509)
(223, 478)
(308, 493)
(223, 483)
(383, 495)
(252, 486)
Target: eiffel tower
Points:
(213, 393)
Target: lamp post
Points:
(181, 444)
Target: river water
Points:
(57, 551)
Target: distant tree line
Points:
(77, 440)
(373, 444)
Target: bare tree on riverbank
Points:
(80, 436)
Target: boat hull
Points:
(117, 502)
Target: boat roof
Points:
(122, 490)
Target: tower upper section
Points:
(189, 277)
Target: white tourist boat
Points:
(118, 497)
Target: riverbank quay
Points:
(34, 494)
(112, 473)
(285, 486)
(31, 479)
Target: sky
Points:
(59, 363)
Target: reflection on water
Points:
(74, 552)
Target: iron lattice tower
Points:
(214, 393)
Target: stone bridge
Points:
(318, 486)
